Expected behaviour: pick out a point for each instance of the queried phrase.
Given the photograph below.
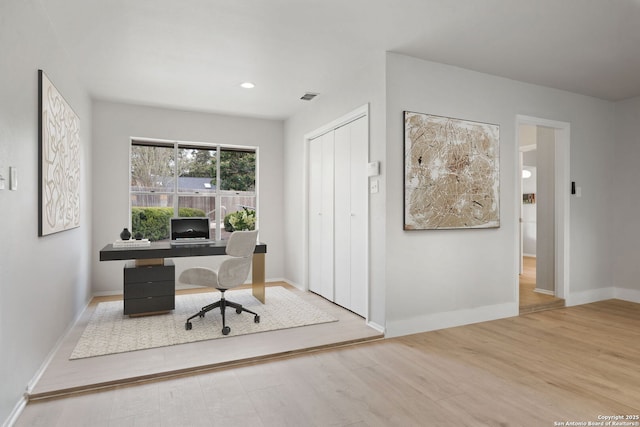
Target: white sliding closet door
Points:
(350, 197)
(338, 215)
(321, 242)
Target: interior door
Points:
(321, 234)
(315, 214)
(351, 182)
(339, 212)
(359, 215)
(343, 222)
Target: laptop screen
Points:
(190, 228)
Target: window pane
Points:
(150, 214)
(196, 170)
(242, 206)
(163, 178)
(152, 168)
(152, 200)
(197, 206)
(237, 170)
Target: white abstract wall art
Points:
(59, 158)
(452, 173)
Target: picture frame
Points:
(451, 173)
(59, 160)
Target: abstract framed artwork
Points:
(59, 160)
(529, 198)
(451, 173)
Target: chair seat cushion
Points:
(200, 276)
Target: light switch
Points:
(13, 182)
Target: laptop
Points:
(190, 231)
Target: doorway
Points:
(543, 212)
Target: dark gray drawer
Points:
(148, 304)
(149, 289)
(152, 273)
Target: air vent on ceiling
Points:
(308, 96)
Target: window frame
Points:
(218, 194)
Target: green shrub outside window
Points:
(153, 223)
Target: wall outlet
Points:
(373, 186)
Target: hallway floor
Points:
(530, 300)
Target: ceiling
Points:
(193, 54)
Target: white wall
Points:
(546, 209)
(625, 209)
(366, 87)
(44, 281)
(444, 278)
(116, 123)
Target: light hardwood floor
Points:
(63, 376)
(566, 365)
(530, 300)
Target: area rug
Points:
(109, 331)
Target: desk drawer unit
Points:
(149, 288)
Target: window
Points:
(170, 179)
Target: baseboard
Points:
(20, 405)
(587, 297)
(178, 288)
(15, 413)
(294, 284)
(631, 295)
(450, 319)
(54, 350)
(375, 326)
(595, 295)
(545, 292)
(106, 293)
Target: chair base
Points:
(223, 304)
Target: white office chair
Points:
(232, 272)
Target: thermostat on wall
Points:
(373, 169)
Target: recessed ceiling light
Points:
(248, 85)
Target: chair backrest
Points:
(242, 243)
(235, 270)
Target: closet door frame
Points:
(359, 112)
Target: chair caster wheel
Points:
(238, 310)
(226, 330)
(201, 314)
(256, 319)
(188, 326)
